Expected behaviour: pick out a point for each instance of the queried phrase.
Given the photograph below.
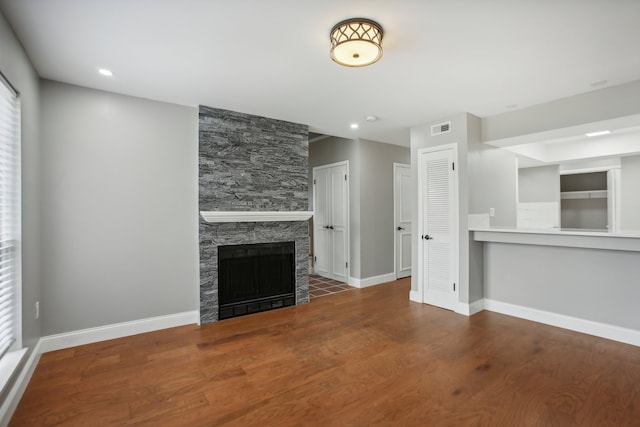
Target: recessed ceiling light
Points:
(598, 133)
(372, 118)
(354, 126)
(105, 72)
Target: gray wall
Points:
(603, 104)
(15, 65)
(630, 194)
(376, 205)
(539, 184)
(593, 284)
(472, 175)
(493, 177)
(120, 208)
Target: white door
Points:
(321, 243)
(439, 227)
(331, 221)
(402, 218)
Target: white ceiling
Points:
(271, 58)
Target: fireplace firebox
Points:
(255, 277)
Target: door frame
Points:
(456, 220)
(396, 166)
(348, 214)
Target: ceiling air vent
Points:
(440, 128)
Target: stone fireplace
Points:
(253, 189)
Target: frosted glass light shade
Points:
(356, 42)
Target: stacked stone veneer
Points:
(250, 163)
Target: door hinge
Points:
(345, 177)
(454, 287)
(346, 264)
(314, 182)
(453, 166)
(315, 258)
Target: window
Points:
(9, 217)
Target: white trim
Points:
(372, 281)
(470, 309)
(14, 395)
(603, 330)
(9, 364)
(415, 296)
(254, 216)
(589, 170)
(117, 330)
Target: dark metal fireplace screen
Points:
(254, 278)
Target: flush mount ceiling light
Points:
(356, 42)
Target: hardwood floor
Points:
(358, 358)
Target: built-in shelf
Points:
(264, 216)
(592, 194)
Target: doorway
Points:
(331, 221)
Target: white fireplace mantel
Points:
(255, 216)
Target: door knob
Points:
(331, 227)
(400, 228)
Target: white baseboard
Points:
(117, 330)
(470, 309)
(415, 296)
(372, 281)
(10, 403)
(603, 330)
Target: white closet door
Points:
(439, 228)
(331, 221)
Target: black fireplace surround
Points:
(255, 277)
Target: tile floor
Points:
(320, 286)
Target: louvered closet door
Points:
(439, 228)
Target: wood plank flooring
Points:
(359, 358)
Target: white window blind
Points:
(9, 214)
